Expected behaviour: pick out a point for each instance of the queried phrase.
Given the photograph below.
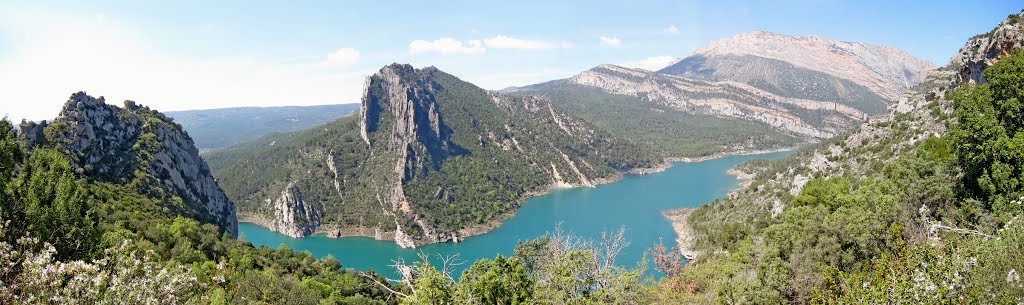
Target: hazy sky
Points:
(175, 55)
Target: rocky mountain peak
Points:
(405, 99)
(886, 70)
(109, 143)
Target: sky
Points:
(179, 55)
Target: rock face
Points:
(292, 216)
(886, 71)
(983, 50)
(430, 158)
(400, 105)
(110, 143)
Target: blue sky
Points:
(175, 55)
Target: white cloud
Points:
(610, 41)
(651, 63)
(343, 57)
(446, 46)
(505, 42)
(671, 30)
(52, 56)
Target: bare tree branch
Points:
(448, 263)
(382, 285)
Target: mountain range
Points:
(219, 128)
(788, 89)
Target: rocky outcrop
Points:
(414, 131)
(400, 121)
(685, 237)
(110, 143)
(887, 71)
(293, 216)
(983, 50)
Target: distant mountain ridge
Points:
(887, 71)
(723, 99)
(219, 128)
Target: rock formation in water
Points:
(293, 216)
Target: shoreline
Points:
(680, 217)
(487, 227)
(684, 234)
(742, 152)
(474, 230)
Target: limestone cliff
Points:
(111, 143)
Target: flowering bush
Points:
(29, 274)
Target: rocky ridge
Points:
(724, 99)
(111, 143)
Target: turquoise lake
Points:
(634, 202)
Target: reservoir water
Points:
(634, 202)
